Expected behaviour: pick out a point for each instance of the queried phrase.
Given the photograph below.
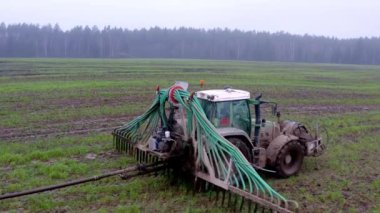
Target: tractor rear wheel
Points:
(289, 159)
(242, 146)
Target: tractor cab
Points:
(228, 108)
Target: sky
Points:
(335, 18)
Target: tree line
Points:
(30, 40)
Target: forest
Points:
(31, 40)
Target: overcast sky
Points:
(339, 18)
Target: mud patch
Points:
(325, 109)
(79, 127)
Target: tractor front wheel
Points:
(289, 159)
(242, 146)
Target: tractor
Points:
(277, 146)
(212, 134)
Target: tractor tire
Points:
(289, 159)
(242, 146)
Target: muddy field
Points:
(56, 116)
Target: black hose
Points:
(139, 169)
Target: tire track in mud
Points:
(107, 124)
(64, 128)
(326, 109)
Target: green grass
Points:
(54, 112)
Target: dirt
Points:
(38, 105)
(107, 124)
(305, 93)
(332, 109)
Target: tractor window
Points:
(233, 114)
(223, 114)
(242, 116)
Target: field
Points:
(56, 116)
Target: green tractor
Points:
(279, 145)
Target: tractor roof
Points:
(223, 95)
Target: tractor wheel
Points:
(289, 159)
(242, 146)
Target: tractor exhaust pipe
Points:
(256, 141)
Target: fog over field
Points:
(338, 18)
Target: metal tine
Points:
(195, 187)
(120, 141)
(117, 143)
(199, 189)
(130, 148)
(223, 196)
(241, 204)
(263, 210)
(217, 195)
(210, 190)
(203, 186)
(249, 206)
(199, 185)
(120, 145)
(235, 202)
(229, 199)
(256, 207)
(166, 172)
